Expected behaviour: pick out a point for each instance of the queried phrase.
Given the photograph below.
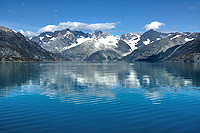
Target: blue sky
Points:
(128, 15)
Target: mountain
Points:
(15, 47)
(160, 49)
(55, 41)
(78, 45)
(189, 52)
(136, 40)
(150, 37)
(131, 39)
(98, 43)
(59, 41)
(103, 55)
(123, 47)
(98, 46)
(79, 52)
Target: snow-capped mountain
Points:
(56, 41)
(131, 39)
(59, 41)
(161, 49)
(98, 41)
(135, 40)
(78, 45)
(100, 45)
(150, 37)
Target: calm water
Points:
(99, 97)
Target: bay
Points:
(99, 97)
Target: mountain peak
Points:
(68, 29)
(99, 34)
(152, 30)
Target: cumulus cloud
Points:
(72, 26)
(155, 25)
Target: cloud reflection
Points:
(82, 82)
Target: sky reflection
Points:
(81, 82)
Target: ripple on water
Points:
(99, 97)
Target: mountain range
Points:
(164, 49)
(150, 46)
(96, 46)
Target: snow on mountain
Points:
(109, 40)
(41, 38)
(158, 39)
(175, 37)
(146, 42)
(53, 38)
(106, 40)
(131, 39)
(187, 39)
(79, 41)
(48, 35)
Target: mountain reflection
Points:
(73, 80)
(16, 74)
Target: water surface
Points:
(99, 97)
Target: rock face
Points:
(122, 47)
(189, 52)
(103, 55)
(79, 52)
(160, 50)
(15, 47)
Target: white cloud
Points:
(72, 26)
(155, 25)
(28, 33)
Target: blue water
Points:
(99, 97)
